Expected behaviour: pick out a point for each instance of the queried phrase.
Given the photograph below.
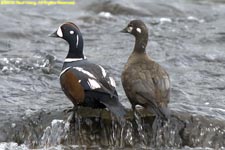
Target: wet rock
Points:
(98, 127)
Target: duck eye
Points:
(71, 32)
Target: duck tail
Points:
(115, 107)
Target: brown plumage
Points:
(72, 88)
(145, 82)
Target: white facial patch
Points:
(129, 29)
(103, 71)
(167, 82)
(138, 30)
(93, 84)
(112, 82)
(85, 72)
(71, 32)
(59, 32)
(77, 40)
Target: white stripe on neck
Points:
(74, 59)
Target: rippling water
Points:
(186, 37)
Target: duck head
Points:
(71, 33)
(140, 32)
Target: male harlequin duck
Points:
(84, 83)
(145, 82)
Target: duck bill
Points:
(124, 30)
(54, 34)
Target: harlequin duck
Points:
(84, 83)
(145, 82)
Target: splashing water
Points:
(55, 134)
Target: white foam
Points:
(6, 60)
(12, 146)
(195, 19)
(162, 20)
(5, 68)
(211, 56)
(207, 103)
(105, 14)
(55, 121)
(13, 125)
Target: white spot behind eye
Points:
(59, 32)
(129, 29)
(71, 32)
(138, 30)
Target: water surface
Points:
(185, 37)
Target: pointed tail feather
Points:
(162, 112)
(165, 111)
(115, 107)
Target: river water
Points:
(187, 37)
